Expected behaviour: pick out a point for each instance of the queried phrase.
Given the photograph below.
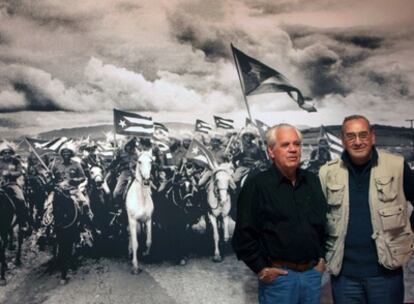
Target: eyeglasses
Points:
(363, 135)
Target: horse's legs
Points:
(11, 239)
(226, 228)
(213, 221)
(18, 261)
(64, 253)
(134, 244)
(3, 265)
(148, 241)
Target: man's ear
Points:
(270, 151)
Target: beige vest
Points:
(388, 206)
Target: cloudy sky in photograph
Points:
(69, 63)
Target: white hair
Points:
(271, 133)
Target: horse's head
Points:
(187, 189)
(96, 175)
(143, 168)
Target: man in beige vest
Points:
(369, 232)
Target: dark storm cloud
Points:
(214, 44)
(330, 57)
(36, 101)
(192, 24)
(363, 41)
(396, 83)
(323, 80)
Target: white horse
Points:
(219, 201)
(139, 206)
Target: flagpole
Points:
(37, 155)
(241, 83)
(114, 126)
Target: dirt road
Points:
(109, 280)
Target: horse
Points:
(139, 206)
(219, 202)
(179, 210)
(35, 189)
(66, 214)
(99, 198)
(8, 220)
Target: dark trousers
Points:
(385, 289)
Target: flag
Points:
(202, 126)
(132, 124)
(258, 78)
(105, 150)
(43, 146)
(197, 151)
(161, 132)
(223, 123)
(262, 127)
(334, 142)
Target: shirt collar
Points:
(280, 178)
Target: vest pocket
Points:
(401, 248)
(392, 217)
(332, 225)
(335, 194)
(386, 188)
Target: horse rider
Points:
(145, 144)
(91, 158)
(218, 150)
(68, 176)
(123, 164)
(68, 173)
(249, 156)
(179, 156)
(10, 171)
(220, 156)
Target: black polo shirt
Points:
(276, 220)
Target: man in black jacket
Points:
(280, 227)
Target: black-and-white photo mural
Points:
(128, 130)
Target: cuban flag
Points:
(223, 123)
(258, 78)
(41, 145)
(133, 124)
(198, 152)
(202, 126)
